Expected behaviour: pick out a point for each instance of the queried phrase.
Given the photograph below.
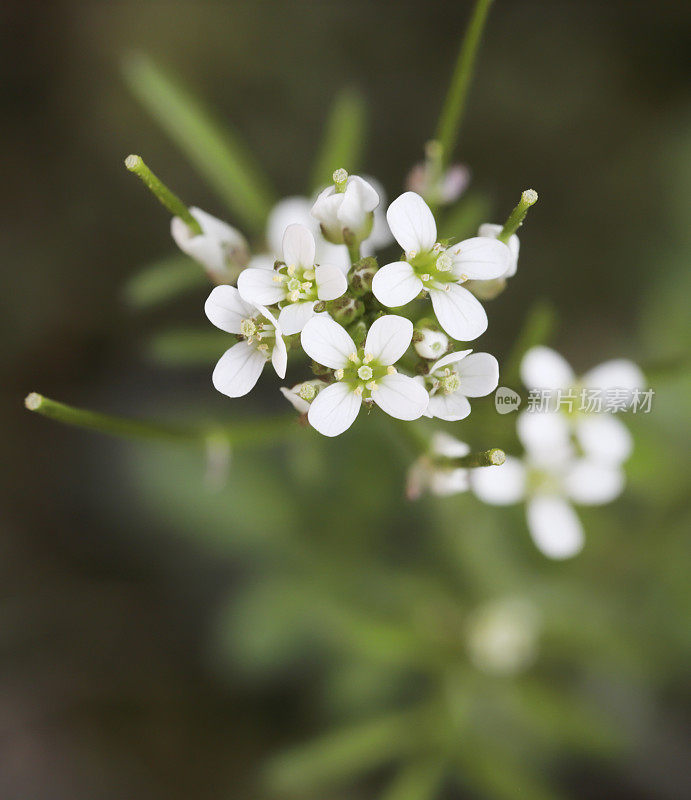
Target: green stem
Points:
(244, 432)
(494, 457)
(516, 217)
(354, 253)
(167, 198)
(454, 105)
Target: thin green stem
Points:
(516, 217)
(354, 252)
(494, 457)
(242, 433)
(454, 105)
(167, 198)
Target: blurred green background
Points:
(160, 640)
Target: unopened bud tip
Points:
(529, 197)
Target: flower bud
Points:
(361, 276)
(486, 290)
(430, 343)
(345, 211)
(346, 309)
(358, 332)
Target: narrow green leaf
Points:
(454, 105)
(162, 281)
(188, 347)
(344, 137)
(216, 152)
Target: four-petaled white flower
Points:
(239, 368)
(219, 248)
(365, 374)
(455, 378)
(346, 210)
(301, 395)
(429, 473)
(298, 281)
(439, 270)
(549, 478)
(599, 434)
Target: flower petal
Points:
(401, 397)
(358, 200)
(226, 309)
(334, 409)
(554, 526)
(479, 373)
(215, 246)
(325, 341)
(300, 405)
(289, 211)
(604, 438)
(295, 316)
(443, 444)
(396, 284)
(480, 259)
(450, 407)
(279, 357)
(619, 373)
(238, 370)
(502, 485)
(545, 436)
(592, 484)
(412, 223)
(544, 368)
(448, 359)
(298, 246)
(388, 338)
(459, 313)
(331, 282)
(259, 287)
(492, 232)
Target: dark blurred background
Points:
(111, 685)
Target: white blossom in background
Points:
(427, 474)
(301, 395)
(600, 434)
(362, 374)
(298, 282)
(456, 377)
(549, 478)
(220, 249)
(239, 368)
(346, 210)
(431, 267)
(430, 343)
(502, 636)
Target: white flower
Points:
(239, 368)
(600, 435)
(365, 374)
(299, 282)
(430, 343)
(440, 271)
(296, 211)
(492, 231)
(427, 474)
(549, 478)
(502, 636)
(220, 249)
(455, 378)
(346, 209)
(301, 395)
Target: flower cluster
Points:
(317, 288)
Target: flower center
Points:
(363, 373)
(299, 282)
(260, 333)
(449, 381)
(248, 329)
(433, 267)
(307, 392)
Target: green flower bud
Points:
(346, 309)
(362, 274)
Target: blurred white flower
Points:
(600, 434)
(361, 375)
(428, 474)
(299, 282)
(438, 270)
(345, 210)
(301, 395)
(239, 368)
(220, 249)
(502, 636)
(455, 378)
(549, 478)
(440, 189)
